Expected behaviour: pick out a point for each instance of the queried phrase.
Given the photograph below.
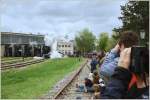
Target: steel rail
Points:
(20, 64)
(69, 82)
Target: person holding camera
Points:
(127, 39)
(118, 86)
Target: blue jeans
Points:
(89, 89)
(80, 88)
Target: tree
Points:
(85, 41)
(102, 41)
(135, 16)
(112, 41)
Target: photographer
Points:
(118, 85)
(126, 40)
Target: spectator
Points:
(88, 85)
(91, 77)
(101, 61)
(96, 91)
(93, 63)
(127, 39)
(100, 56)
(96, 77)
(117, 88)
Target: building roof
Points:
(21, 38)
(23, 34)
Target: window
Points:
(25, 39)
(5, 39)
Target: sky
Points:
(58, 18)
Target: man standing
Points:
(118, 86)
(127, 39)
(93, 62)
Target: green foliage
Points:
(85, 41)
(103, 41)
(115, 35)
(36, 79)
(111, 43)
(135, 16)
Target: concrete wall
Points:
(2, 50)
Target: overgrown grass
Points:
(37, 79)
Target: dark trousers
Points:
(93, 68)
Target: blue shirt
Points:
(110, 63)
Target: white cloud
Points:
(60, 17)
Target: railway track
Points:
(20, 64)
(10, 58)
(67, 90)
(15, 61)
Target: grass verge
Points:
(37, 79)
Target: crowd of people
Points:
(110, 76)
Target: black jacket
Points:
(117, 87)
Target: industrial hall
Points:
(22, 44)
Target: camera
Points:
(139, 59)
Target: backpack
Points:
(133, 92)
(133, 81)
